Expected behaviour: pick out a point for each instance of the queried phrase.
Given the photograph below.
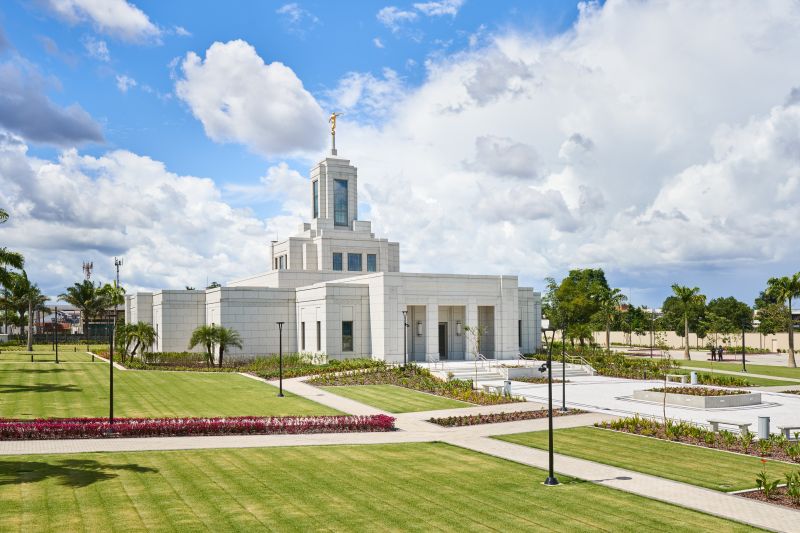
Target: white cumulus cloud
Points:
(439, 8)
(239, 98)
(117, 18)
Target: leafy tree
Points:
(733, 310)
(86, 298)
(687, 302)
(718, 325)
(784, 290)
(9, 259)
(3, 215)
(24, 298)
(214, 285)
(764, 299)
(575, 301)
(205, 336)
(771, 318)
(227, 337)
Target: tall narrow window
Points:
(340, 202)
(302, 335)
(315, 199)
(354, 262)
(372, 263)
(337, 261)
(347, 336)
(319, 335)
(519, 332)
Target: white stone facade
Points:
(339, 291)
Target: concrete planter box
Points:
(701, 402)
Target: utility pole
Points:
(117, 264)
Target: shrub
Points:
(699, 391)
(767, 486)
(472, 420)
(90, 428)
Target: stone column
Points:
(471, 320)
(431, 332)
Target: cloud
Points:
(643, 171)
(181, 31)
(96, 48)
(4, 43)
(439, 8)
(80, 207)
(367, 97)
(239, 98)
(26, 110)
(125, 82)
(116, 18)
(51, 48)
(501, 156)
(378, 43)
(392, 17)
(296, 19)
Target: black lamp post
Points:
(563, 367)
(280, 359)
(551, 477)
(55, 332)
(744, 326)
(405, 337)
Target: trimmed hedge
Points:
(93, 428)
(474, 420)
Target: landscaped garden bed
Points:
(416, 378)
(538, 380)
(699, 397)
(494, 418)
(93, 428)
(787, 495)
(776, 447)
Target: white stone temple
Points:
(339, 290)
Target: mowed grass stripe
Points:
(713, 469)
(412, 487)
(768, 370)
(394, 399)
(45, 390)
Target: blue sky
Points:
(523, 138)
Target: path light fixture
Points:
(551, 477)
(280, 359)
(405, 337)
(117, 264)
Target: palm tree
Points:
(9, 259)
(144, 334)
(115, 296)
(610, 301)
(784, 289)
(227, 337)
(24, 298)
(206, 336)
(688, 299)
(86, 298)
(3, 215)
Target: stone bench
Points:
(497, 389)
(744, 427)
(787, 430)
(681, 377)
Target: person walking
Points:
(713, 353)
(719, 353)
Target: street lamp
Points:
(551, 477)
(55, 332)
(280, 359)
(117, 264)
(405, 337)
(563, 366)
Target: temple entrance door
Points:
(442, 341)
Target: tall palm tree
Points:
(144, 335)
(227, 337)
(3, 215)
(24, 298)
(115, 296)
(785, 289)
(86, 298)
(205, 336)
(9, 259)
(689, 299)
(610, 301)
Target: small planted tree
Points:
(204, 336)
(784, 290)
(688, 299)
(227, 337)
(474, 335)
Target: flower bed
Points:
(776, 447)
(779, 496)
(473, 420)
(92, 428)
(416, 378)
(699, 391)
(538, 380)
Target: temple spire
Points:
(332, 121)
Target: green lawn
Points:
(395, 399)
(400, 487)
(754, 382)
(47, 390)
(713, 469)
(767, 370)
(68, 355)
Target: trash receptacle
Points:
(693, 378)
(763, 427)
(507, 388)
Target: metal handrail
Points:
(579, 360)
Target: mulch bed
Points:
(473, 420)
(779, 497)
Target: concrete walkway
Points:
(413, 427)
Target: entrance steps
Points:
(465, 370)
